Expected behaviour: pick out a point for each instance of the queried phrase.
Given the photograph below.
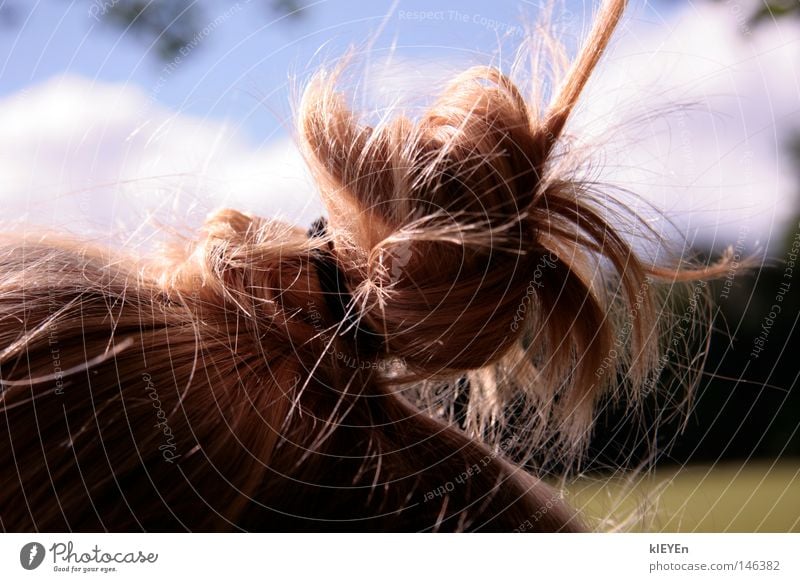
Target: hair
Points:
(222, 386)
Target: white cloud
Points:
(91, 157)
(719, 166)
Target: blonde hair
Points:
(262, 379)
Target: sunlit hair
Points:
(216, 388)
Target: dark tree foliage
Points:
(747, 404)
(769, 9)
(172, 25)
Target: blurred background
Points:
(118, 115)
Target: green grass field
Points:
(751, 497)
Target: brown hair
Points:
(221, 388)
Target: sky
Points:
(691, 108)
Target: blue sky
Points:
(94, 127)
(248, 52)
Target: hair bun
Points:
(464, 241)
(430, 216)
